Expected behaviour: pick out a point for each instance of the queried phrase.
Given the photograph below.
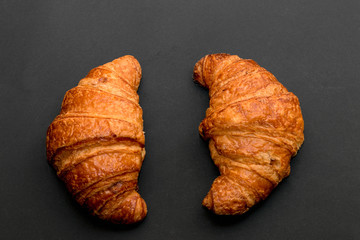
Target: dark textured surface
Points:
(312, 47)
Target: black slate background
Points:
(312, 47)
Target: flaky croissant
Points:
(254, 126)
(96, 143)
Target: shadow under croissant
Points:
(228, 220)
(99, 223)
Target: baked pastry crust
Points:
(96, 143)
(254, 126)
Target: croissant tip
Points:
(132, 210)
(207, 202)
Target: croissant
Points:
(254, 127)
(96, 143)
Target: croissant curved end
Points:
(223, 199)
(197, 74)
(132, 65)
(132, 210)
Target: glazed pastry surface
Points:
(96, 143)
(254, 126)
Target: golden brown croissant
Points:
(96, 143)
(254, 126)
